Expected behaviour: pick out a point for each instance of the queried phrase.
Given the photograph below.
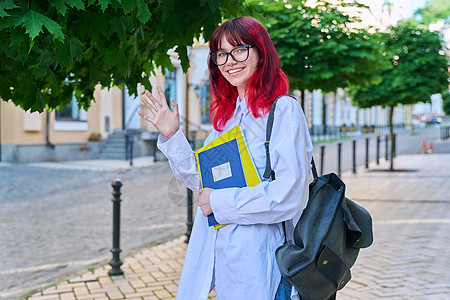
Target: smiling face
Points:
(236, 73)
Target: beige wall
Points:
(110, 102)
(23, 128)
(13, 125)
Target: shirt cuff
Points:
(222, 205)
(176, 148)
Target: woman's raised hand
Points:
(164, 119)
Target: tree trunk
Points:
(391, 132)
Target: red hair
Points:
(267, 83)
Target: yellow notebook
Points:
(226, 162)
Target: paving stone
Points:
(45, 297)
(106, 280)
(115, 294)
(408, 260)
(57, 291)
(172, 288)
(85, 297)
(92, 286)
(126, 288)
(163, 294)
(67, 296)
(99, 295)
(81, 290)
(137, 284)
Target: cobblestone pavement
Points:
(56, 218)
(408, 260)
(411, 212)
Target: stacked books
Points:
(225, 163)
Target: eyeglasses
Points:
(239, 54)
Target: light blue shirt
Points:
(238, 260)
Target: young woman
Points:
(238, 260)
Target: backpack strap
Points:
(313, 168)
(269, 173)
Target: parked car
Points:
(429, 119)
(436, 120)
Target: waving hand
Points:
(164, 119)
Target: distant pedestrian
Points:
(238, 260)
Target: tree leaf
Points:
(64, 56)
(143, 11)
(76, 51)
(78, 4)
(41, 68)
(60, 6)
(104, 4)
(129, 5)
(33, 22)
(4, 5)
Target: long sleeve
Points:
(284, 198)
(181, 159)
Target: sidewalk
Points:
(99, 164)
(408, 260)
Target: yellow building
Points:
(63, 135)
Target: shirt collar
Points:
(241, 106)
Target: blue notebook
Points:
(225, 162)
(221, 167)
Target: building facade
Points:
(111, 127)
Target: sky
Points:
(415, 4)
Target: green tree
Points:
(320, 47)
(417, 69)
(433, 11)
(50, 50)
(446, 102)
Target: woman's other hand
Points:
(204, 201)
(164, 119)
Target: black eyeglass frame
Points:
(214, 58)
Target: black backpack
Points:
(327, 238)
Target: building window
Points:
(71, 112)
(71, 118)
(205, 103)
(170, 87)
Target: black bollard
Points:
(354, 157)
(131, 151)
(394, 142)
(190, 222)
(127, 146)
(387, 145)
(378, 149)
(339, 158)
(155, 147)
(367, 153)
(322, 153)
(116, 262)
